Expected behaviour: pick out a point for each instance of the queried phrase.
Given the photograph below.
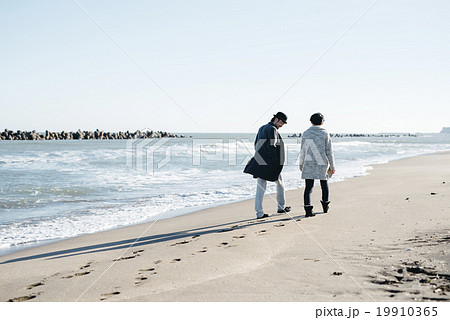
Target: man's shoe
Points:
(308, 211)
(265, 215)
(286, 209)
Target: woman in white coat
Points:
(316, 162)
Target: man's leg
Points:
(260, 190)
(280, 193)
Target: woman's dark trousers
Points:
(309, 187)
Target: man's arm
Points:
(272, 144)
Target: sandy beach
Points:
(385, 238)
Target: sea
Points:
(54, 190)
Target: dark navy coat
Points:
(269, 154)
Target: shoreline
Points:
(31, 245)
(387, 241)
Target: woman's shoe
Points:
(308, 211)
(325, 205)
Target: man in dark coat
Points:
(268, 162)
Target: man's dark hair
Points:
(317, 119)
(273, 119)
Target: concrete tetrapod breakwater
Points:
(362, 135)
(84, 135)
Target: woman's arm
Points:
(302, 154)
(329, 153)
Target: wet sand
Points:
(385, 238)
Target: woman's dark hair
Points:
(317, 119)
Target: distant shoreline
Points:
(125, 135)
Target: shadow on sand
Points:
(147, 240)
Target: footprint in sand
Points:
(239, 237)
(157, 261)
(151, 270)
(225, 245)
(384, 282)
(135, 254)
(394, 290)
(205, 249)
(126, 258)
(279, 225)
(79, 274)
(85, 266)
(23, 298)
(180, 243)
(260, 232)
(313, 259)
(34, 285)
(107, 295)
(176, 260)
(195, 236)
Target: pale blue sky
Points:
(225, 62)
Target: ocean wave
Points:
(352, 143)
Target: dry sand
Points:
(385, 238)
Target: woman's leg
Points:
(309, 184)
(325, 190)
